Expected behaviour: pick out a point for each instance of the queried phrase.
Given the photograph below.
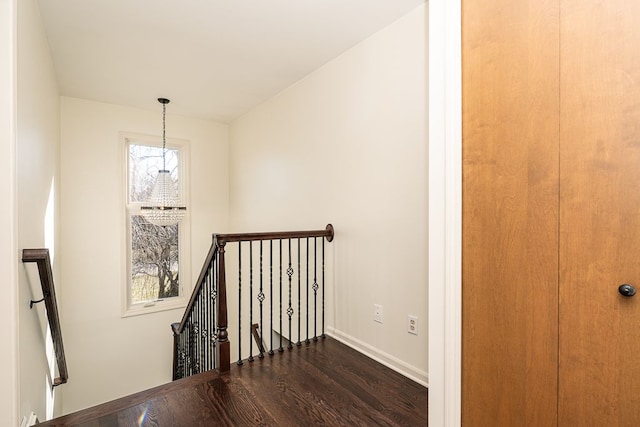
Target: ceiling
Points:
(215, 59)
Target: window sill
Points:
(154, 307)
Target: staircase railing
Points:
(41, 258)
(201, 339)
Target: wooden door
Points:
(551, 213)
(599, 372)
(510, 212)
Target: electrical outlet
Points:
(377, 313)
(412, 324)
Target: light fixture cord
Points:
(164, 137)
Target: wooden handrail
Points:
(43, 261)
(222, 239)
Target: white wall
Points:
(8, 248)
(110, 356)
(37, 160)
(348, 145)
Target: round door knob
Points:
(627, 290)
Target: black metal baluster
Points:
(212, 297)
(214, 313)
(211, 317)
(202, 337)
(250, 301)
(323, 286)
(204, 329)
(205, 297)
(193, 356)
(190, 339)
(205, 302)
(183, 355)
(290, 308)
(196, 347)
(307, 293)
(315, 288)
(239, 303)
(185, 349)
(179, 373)
(271, 295)
(187, 345)
(176, 373)
(196, 337)
(190, 355)
(192, 344)
(196, 341)
(199, 334)
(298, 343)
(261, 299)
(280, 349)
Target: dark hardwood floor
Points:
(322, 383)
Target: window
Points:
(157, 256)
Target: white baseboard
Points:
(403, 368)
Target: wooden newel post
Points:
(174, 328)
(223, 349)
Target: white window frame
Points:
(184, 233)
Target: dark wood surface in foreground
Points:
(323, 383)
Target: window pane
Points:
(144, 163)
(154, 261)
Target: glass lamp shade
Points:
(163, 206)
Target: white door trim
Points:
(9, 255)
(445, 212)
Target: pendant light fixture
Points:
(163, 207)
